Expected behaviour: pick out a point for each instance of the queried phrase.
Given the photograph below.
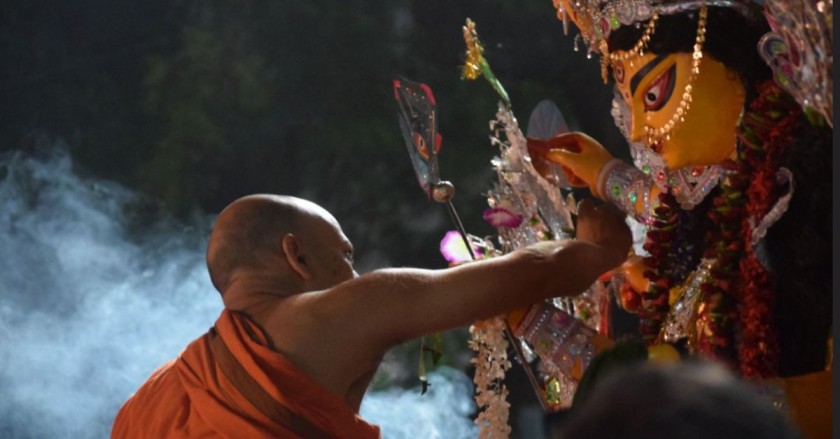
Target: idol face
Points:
(654, 85)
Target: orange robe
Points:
(267, 396)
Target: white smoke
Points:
(88, 306)
(443, 412)
(98, 288)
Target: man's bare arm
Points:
(393, 305)
(411, 302)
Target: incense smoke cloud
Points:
(98, 288)
(442, 413)
(88, 307)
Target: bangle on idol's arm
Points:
(623, 185)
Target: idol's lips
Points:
(656, 147)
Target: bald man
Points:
(302, 334)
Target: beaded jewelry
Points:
(636, 51)
(654, 135)
(597, 18)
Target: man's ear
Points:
(296, 260)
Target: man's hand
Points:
(604, 225)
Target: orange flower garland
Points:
(766, 134)
(740, 289)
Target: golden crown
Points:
(799, 49)
(595, 19)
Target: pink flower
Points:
(453, 249)
(501, 217)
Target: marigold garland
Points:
(716, 314)
(766, 133)
(661, 246)
(740, 288)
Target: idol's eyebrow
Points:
(634, 82)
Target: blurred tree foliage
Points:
(196, 103)
(199, 102)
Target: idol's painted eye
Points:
(660, 90)
(618, 72)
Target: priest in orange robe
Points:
(302, 334)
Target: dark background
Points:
(198, 103)
(195, 103)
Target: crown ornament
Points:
(799, 50)
(596, 19)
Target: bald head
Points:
(248, 233)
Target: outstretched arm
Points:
(393, 305)
(338, 336)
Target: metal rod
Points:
(520, 356)
(513, 341)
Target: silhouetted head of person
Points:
(686, 400)
(280, 244)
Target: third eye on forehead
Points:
(641, 73)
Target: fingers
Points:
(611, 209)
(540, 166)
(581, 157)
(567, 160)
(562, 156)
(574, 180)
(633, 270)
(568, 142)
(577, 142)
(593, 207)
(603, 214)
(585, 209)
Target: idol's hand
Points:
(581, 157)
(632, 270)
(537, 150)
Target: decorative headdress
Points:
(597, 18)
(799, 50)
